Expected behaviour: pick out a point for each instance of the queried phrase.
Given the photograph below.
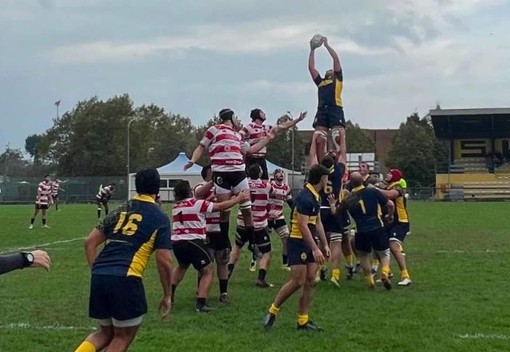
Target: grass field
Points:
(458, 256)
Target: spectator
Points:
(20, 260)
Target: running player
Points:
(304, 254)
(260, 191)
(399, 229)
(130, 234)
(218, 243)
(189, 235)
(42, 201)
(330, 113)
(254, 131)
(227, 151)
(281, 194)
(365, 205)
(103, 197)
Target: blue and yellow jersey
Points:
(330, 90)
(334, 185)
(133, 231)
(401, 214)
(307, 203)
(365, 206)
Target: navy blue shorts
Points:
(398, 231)
(117, 297)
(261, 162)
(376, 240)
(298, 252)
(332, 223)
(329, 117)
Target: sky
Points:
(195, 57)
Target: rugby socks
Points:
(32, 221)
(285, 260)
(223, 286)
(404, 274)
(230, 268)
(370, 280)
(274, 309)
(99, 213)
(106, 210)
(262, 274)
(385, 271)
(349, 260)
(302, 319)
(173, 291)
(200, 302)
(335, 273)
(86, 347)
(44, 221)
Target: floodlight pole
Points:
(128, 157)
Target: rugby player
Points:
(304, 254)
(55, 190)
(227, 151)
(399, 229)
(365, 205)
(254, 131)
(189, 236)
(330, 113)
(218, 244)
(129, 234)
(42, 201)
(260, 191)
(103, 197)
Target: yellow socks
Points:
(335, 273)
(349, 260)
(86, 347)
(370, 280)
(302, 319)
(274, 309)
(404, 274)
(375, 262)
(385, 271)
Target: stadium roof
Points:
(471, 123)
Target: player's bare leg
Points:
(99, 339)
(396, 250)
(122, 338)
(306, 299)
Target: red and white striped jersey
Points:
(281, 193)
(212, 219)
(43, 193)
(226, 148)
(55, 188)
(260, 191)
(188, 219)
(253, 133)
(105, 193)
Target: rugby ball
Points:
(316, 41)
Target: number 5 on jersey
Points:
(128, 226)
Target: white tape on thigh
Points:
(385, 253)
(283, 231)
(335, 134)
(321, 134)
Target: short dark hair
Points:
(254, 171)
(205, 170)
(146, 181)
(365, 163)
(255, 114)
(182, 190)
(315, 174)
(328, 161)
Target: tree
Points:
(279, 150)
(358, 140)
(12, 163)
(32, 144)
(416, 151)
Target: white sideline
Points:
(484, 336)
(44, 327)
(42, 245)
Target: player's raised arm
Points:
(292, 123)
(311, 66)
(337, 67)
(259, 145)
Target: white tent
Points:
(170, 174)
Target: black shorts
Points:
(41, 206)
(262, 239)
(276, 224)
(398, 231)
(54, 196)
(101, 201)
(332, 223)
(329, 117)
(263, 165)
(194, 252)
(117, 297)
(217, 241)
(298, 252)
(230, 180)
(376, 240)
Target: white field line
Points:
(480, 336)
(44, 327)
(42, 245)
(461, 251)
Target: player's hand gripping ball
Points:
(316, 41)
